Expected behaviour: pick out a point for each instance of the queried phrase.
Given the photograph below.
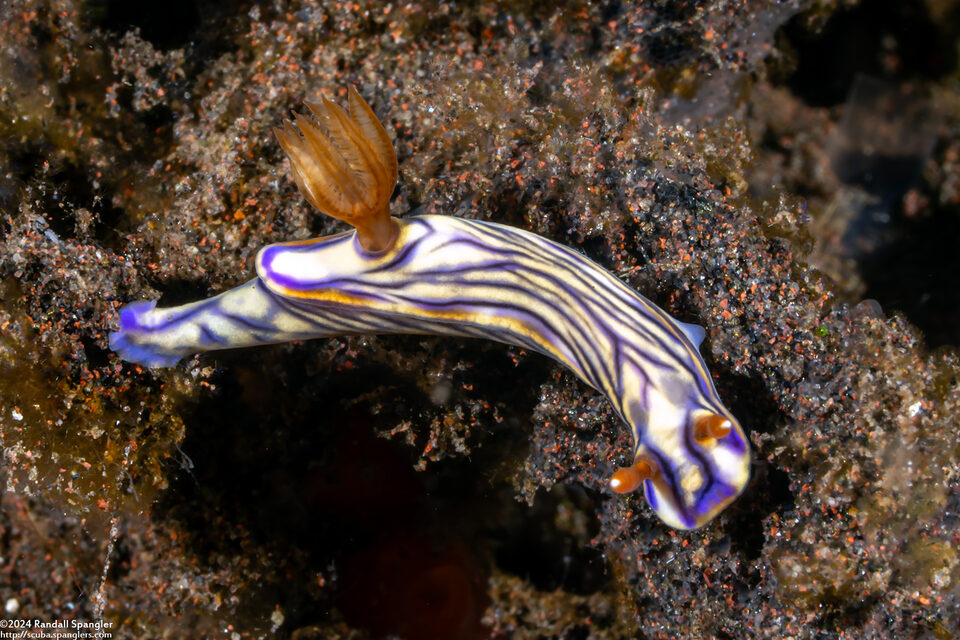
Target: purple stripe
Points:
(546, 250)
(401, 258)
(668, 476)
(610, 284)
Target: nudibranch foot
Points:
(446, 276)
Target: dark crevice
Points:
(533, 549)
(176, 292)
(896, 40)
(768, 492)
(167, 24)
(97, 356)
(285, 460)
(917, 272)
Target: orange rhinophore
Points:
(630, 478)
(712, 427)
(345, 166)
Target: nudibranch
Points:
(449, 276)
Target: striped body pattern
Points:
(467, 278)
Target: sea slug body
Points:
(449, 276)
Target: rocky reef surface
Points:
(786, 174)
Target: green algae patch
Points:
(75, 441)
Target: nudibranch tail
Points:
(345, 166)
(132, 321)
(245, 316)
